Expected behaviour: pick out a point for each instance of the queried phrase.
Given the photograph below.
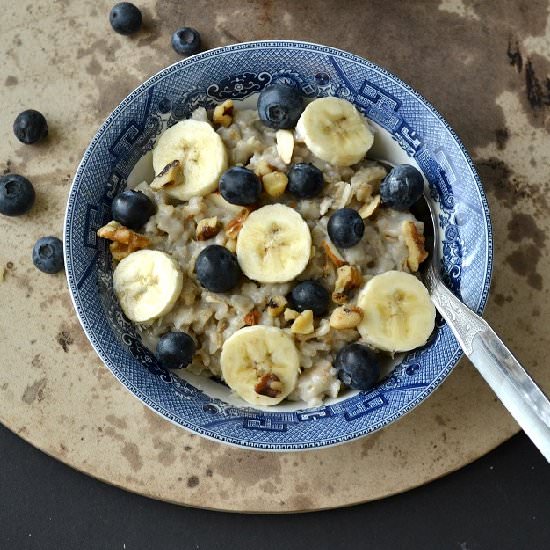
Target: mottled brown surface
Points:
(483, 64)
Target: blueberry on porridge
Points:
(274, 255)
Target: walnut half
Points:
(125, 241)
(415, 243)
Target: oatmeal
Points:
(251, 214)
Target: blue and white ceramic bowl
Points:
(408, 126)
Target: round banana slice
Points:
(398, 314)
(202, 154)
(335, 131)
(274, 244)
(261, 364)
(147, 284)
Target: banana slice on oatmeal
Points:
(147, 284)
(201, 154)
(398, 314)
(274, 244)
(335, 131)
(261, 364)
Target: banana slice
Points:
(201, 152)
(147, 284)
(398, 314)
(274, 244)
(335, 131)
(261, 364)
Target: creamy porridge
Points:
(280, 238)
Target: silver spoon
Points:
(494, 361)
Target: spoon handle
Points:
(500, 369)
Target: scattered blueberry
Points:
(132, 209)
(30, 126)
(217, 269)
(345, 227)
(47, 254)
(241, 186)
(358, 366)
(175, 350)
(280, 106)
(305, 181)
(125, 18)
(16, 195)
(186, 41)
(402, 187)
(310, 295)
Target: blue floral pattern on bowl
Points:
(237, 72)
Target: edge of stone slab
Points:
(469, 458)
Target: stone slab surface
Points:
(483, 65)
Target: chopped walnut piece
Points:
(269, 385)
(368, 209)
(275, 183)
(170, 176)
(345, 317)
(303, 324)
(252, 317)
(263, 168)
(223, 114)
(348, 277)
(290, 314)
(415, 243)
(207, 228)
(333, 254)
(235, 225)
(125, 241)
(276, 305)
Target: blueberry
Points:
(16, 195)
(310, 295)
(402, 187)
(125, 18)
(358, 367)
(240, 186)
(132, 209)
(305, 181)
(47, 254)
(217, 269)
(186, 41)
(30, 126)
(175, 350)
(280, 106)
(345, 227)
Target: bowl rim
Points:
(300, 446)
